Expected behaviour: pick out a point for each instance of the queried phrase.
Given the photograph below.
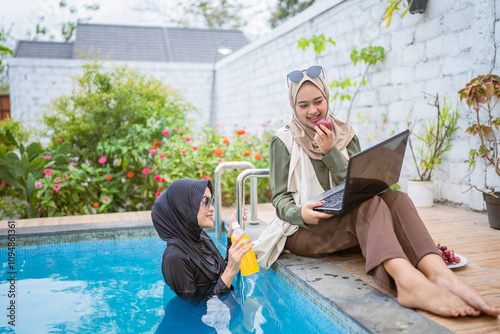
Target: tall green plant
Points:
(434, 141)
(105, 106)
(370, 55)
(318, 42)
(393, 7)
(20, 169)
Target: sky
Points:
(21, 16)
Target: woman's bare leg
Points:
(416, 291)
(434, 268)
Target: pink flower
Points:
(153, 148)
(165, 132)
(206, 177)
(58, 139)
(146, 171)
(194, 147)
(57, 180)
(163, 155)
(157, 178)
(158, 193)
(4, 185)
(38, 184)
(47, 157)
(105, 198)
(73, 164)
(151, 151)
(182, 151)
(47, 171)
(102, 160)
(187, 139)
(57, 187)
(162, 180)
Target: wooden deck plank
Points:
(467, 233)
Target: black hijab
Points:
(174, 216)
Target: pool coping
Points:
(373, 310)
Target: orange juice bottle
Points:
(248, 262)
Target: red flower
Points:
(187, 139)
(157, 178)
(246, 153)
(218, 152)
(258, 156)
(162, 180)
(157, 143)
(225, 140)
(240, 132)
(165, 132)
(206, 177)
(108, 178)
(130, 175)
(96, 205)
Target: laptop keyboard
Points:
(333, 199)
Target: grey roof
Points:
(53, 50)
(138, 43)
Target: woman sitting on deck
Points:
(400, 254)
(192, 266)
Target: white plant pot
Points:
(421, 193)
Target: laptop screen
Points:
(374, 170)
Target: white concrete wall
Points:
(35, 82)
(435, 52)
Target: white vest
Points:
(303, 184)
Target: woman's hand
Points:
(324, 139)
(235, 253)
(311, 217)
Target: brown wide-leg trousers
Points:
(385, 227)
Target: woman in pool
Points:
(400, 254)
(192, 266)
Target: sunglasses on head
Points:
(312, 72)
(207, 202)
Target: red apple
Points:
(326, 122)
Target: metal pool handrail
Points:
(240, 192)
(218, 193)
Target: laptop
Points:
(369, 173)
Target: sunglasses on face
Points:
(207, 202)
(312, 72)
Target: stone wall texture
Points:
(436, 52)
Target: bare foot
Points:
(466, 292)
(416, 291)
(437, 272)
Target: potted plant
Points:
(428, 149)
(482, 94)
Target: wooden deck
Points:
(469, 234)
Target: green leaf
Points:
(60, 160)
(30, 187)
(3, 151)
(37, 163)
(33, 150)
(13, 162)
(64, 149)
(8, 177)
(303, 43)
(11, 138)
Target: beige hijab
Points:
(303, 134)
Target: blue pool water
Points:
(116, 286)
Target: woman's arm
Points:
(235, 253)
(279, 165)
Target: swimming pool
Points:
(111, 282)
